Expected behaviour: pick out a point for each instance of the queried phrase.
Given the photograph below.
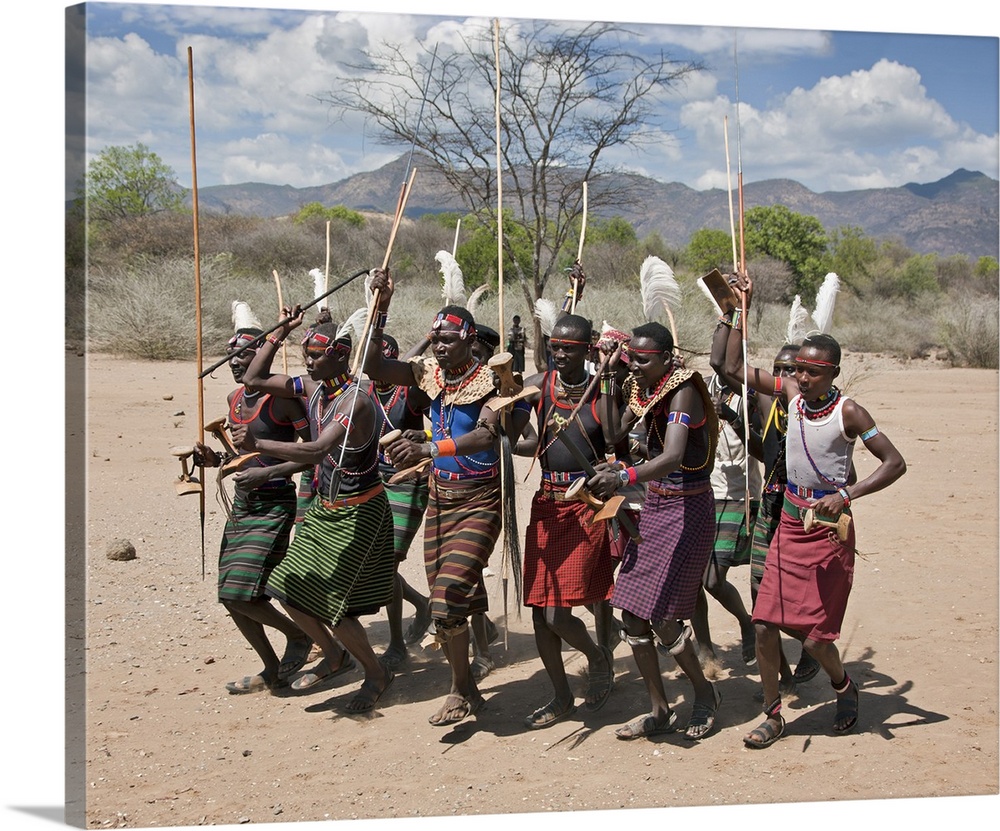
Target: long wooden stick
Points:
(281, 308)
(326, 276)
(505, 565)
(579, 250)
(404, 194)
(454, 245)
(197, 301)
(743, 304)
(729, 181)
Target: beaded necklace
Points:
(639, 403)
(555, 418)
(251, 399)
(452, 384)
(834, 396)
(638, 400)
(826, 403)
(330, 388)
(569, 388)
(459, 378)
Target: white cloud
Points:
(870, 128)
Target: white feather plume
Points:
(826, 297)
(453, 282)
(369, 294)
(354, 325)
(475, 297)
(798, 321)
(319, 281)
(659, 289)
(243, 316)
(546, 311)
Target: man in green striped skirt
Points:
(260, 520)
(340, 565)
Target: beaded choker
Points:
(823, 406)
(459, 378)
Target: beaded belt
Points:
(775, 487)
(558, 477)
(448, 476)
(808, 493)
(357, 499)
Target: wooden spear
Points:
(197, 302)
(743, 300)
(579, 250)
(505, 564)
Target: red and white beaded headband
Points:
(338, 345)
(464, 326)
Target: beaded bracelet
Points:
(846, 497)
(274, 340)
(381, 318)
(633, 475)
(608, 386)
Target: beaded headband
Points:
(238, 340)
(803, 361)
(465, 328)
(339, 345)
(570, 341)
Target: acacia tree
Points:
(796, 239)
(567, 95)
(124, 182)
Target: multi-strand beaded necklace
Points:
(828, 402)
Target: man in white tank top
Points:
(808, 574)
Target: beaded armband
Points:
(677, 417)
(298, 387)
(870, 433)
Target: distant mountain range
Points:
(959, 214)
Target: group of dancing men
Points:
(635, 517)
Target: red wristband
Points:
(446, 447)
(633, 475)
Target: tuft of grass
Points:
(969, 331)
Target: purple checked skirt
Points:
(659, 577)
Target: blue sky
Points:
(831, 107)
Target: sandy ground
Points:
(166, 745)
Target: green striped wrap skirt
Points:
(764, 527)
(732, 538)
(408, 501)
(254, 541)
(340, 563)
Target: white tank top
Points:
(818, 453)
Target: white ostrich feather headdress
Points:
(452, 279)
(546, 312)
(822, 316)
(658, 287)
(243, 316)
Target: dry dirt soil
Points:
(166, 745)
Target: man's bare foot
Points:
(393, 656)
(418, 628)
(456, 708)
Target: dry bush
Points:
(145, 314)
(969, 328)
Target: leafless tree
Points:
(568, 93)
